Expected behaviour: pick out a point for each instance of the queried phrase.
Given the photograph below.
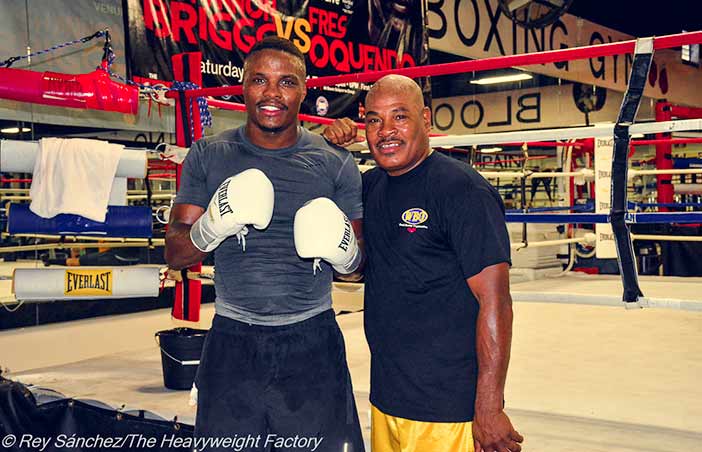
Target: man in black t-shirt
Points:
(438, 312)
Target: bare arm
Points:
(492, 429)
(357, 226)
(180, 251)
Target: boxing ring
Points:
(640, 391)
(585, 374)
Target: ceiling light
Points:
(365, 151)
(490, 150)
(502, 79)
(15, 130)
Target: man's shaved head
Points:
(397, 84)
(397, 124)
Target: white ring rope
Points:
(585, 172)
(666, 238)
(635, 172)
(587, 238)
(129, 197)
(60, 246)
(154, 196)
(597, 131)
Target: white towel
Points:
(73, 175)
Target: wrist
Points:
(489, 406)
(202, 237)
(352, 264)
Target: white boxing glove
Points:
(246, 198)
(322, 231)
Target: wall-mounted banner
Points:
(336, 36)
(531, 108)
(479, 29)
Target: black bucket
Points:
(180, 355)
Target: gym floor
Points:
(583, 377)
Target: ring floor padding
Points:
(85, 283)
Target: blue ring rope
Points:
(592, 218)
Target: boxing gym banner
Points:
(479, 29)
(336, 37)
(529, 108)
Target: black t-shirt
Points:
(425, 232)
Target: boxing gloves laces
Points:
(322, 231)
(246, 198)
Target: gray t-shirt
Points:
(269, 284)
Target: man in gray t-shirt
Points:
(268, 284)
(273, 366)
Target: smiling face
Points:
(274, 88)
(397, 124)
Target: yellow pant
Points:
(396, 434)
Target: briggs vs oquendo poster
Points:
(336, 36)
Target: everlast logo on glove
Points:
(344, 245)
(223, 204)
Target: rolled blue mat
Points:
(120, 221)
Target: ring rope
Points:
(501, 62)
(588, 238)
(596, 131)
(60, 246)
(593, 218)
(666, 238)
(98, 34)
(78, 237)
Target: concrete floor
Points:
(582, 378)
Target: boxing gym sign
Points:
(336, 37)
(479, 29)
(545, 107)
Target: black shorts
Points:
(276, 388)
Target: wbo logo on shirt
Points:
(413, 218)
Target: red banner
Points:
(336, 36)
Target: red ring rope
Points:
(224, 105)
(526, 59)
(634, 143)
(15, 181)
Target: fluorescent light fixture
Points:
(502, 79)
(365, 151)
(490, 150)
(637, 135)
(15, 130)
